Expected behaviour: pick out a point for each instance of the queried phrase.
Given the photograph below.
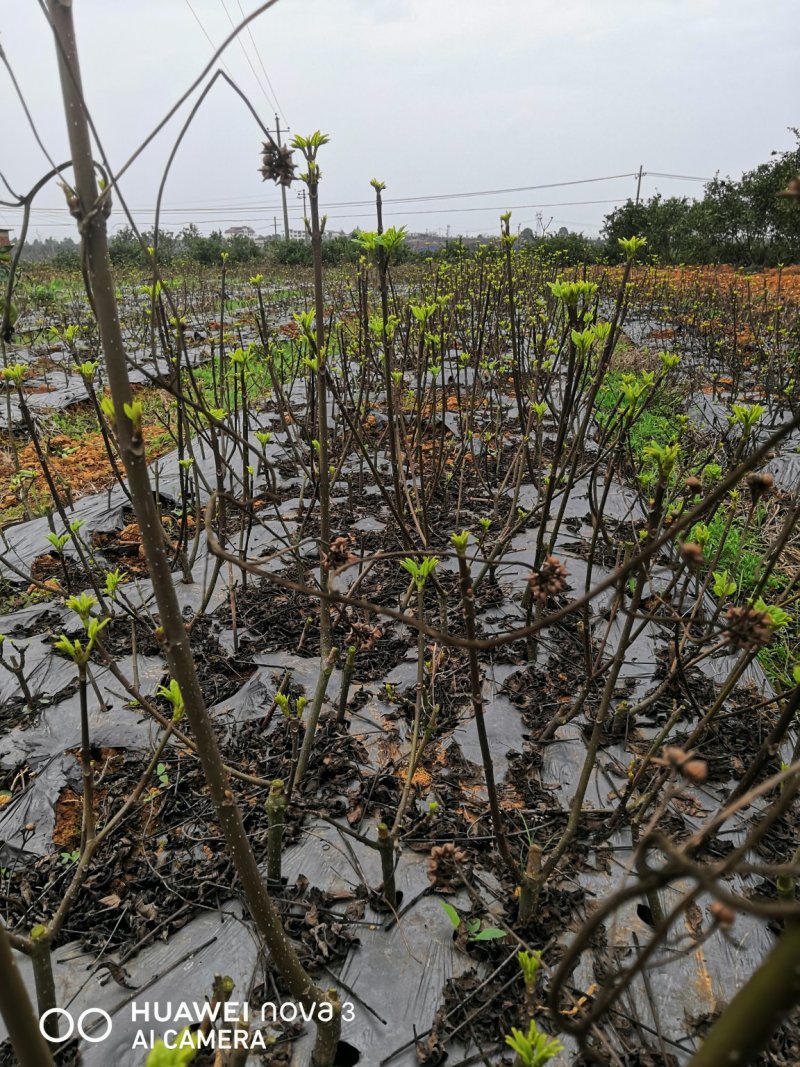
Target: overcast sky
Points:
(434, 97)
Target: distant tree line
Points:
(190, 245)
(63, 253)
(742, 222)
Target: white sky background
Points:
(430, 96)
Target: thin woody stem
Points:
(176, 644)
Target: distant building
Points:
(425, 242)
(240, 231)
(5, 238)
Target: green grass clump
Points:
(283, 355)
(741, 552)
(657, 423)
(779, 658)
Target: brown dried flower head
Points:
(276, 164)
(759, 483)
(721, 914)
(443, 865)
(364, 636)
(549, 580)
(746, 628)
(693, 554)
(694, 770)
(340, 554)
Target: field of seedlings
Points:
(486, 571)
(399, 660)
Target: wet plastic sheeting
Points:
(33, 807)
(304, 671)
(399, 973)
(718, 669)
(639, 665)
(43, 395)
(504, 726)
(33, 620)
(190, 594)
(785, 467)
(142, 367)
(254, 698)
(562, 762)
(45, 674)
(369, 525)
(103, 512)
(181, 970)
(24, 542)
(268, 538)
(43, 748)
(113, 724)
(55, 393)
(684, 985)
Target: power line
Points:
(485, 208)
(235, 202)
(525, 188)
(491, 192)
(252, 209)
(261, 64)
(229, 213)
(56, 212)
(247, 57)
(242, 215)
(241, 203)
(208, 38)
(681, 177)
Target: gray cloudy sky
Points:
(434, 97)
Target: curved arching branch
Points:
(25, 202)
(114, 177)
(182, 133)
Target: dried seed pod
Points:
(746, 628)
(339, 554)
(721, 914)
(759, 483)
(363, 636)
(696, 770)
(673, 755)
(692, 554)
(443, 864)
(549, 580)
(277, 165)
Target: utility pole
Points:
(275, 224)
(639, 183)
(283, 187)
